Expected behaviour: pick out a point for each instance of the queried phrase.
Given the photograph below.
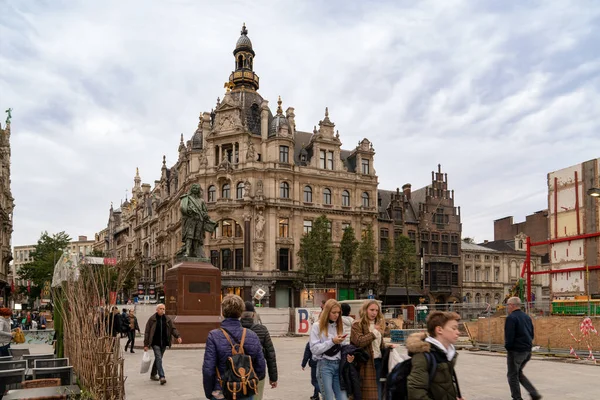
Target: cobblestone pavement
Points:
(482, 376)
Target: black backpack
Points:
(239, 381)
(396, 386)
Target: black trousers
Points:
(130, 339)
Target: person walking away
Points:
(367, 333)
(247, 320)
(347, 320)
(308, 358)
(218, 348)
(124, 323)
(442, 333)
(326, 337)
(157, 334)
(132, 324)
(113, 323)
(518, 339)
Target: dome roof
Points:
(244, 42)
(279, 120)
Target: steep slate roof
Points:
(386, 199)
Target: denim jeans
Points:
(328, 373)
(516, 361)
(5, 350)
(314, 381)
(378, 364)
(157, 364)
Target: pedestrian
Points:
(159, 330)
(247, 320)
(442, 333)
(132, 325)
(367, 334)
(124, 323)
(326, 337)
(518, 339)
(43, 321)
(313, 371)
(113, 322)
(347, 320)
(6, 335)
(218, 347)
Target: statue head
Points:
(196, 189)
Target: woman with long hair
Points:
(326, 337)
(367, 333)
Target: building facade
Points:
(264, 182)
(6, 213)
(430, 219)
(492, 269)
(535, 226)
(573, 213)
(24, 254)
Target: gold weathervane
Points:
(228, 85)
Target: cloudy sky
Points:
(499, 92)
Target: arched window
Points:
(346, 198)
(240, 61)
(488, 298)
(468, 298)
(477, 298)
(212, 194)
(307, 194)
(227, 228)
(326, 196)
(226, 191)
(284, 190)
(497, 299)
(365, 199)
(239, 190)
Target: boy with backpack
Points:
(233, 359)
(429, 374)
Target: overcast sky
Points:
(499, 92)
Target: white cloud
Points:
(499, 93)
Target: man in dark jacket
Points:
(113, 323)
(157, 334)
(518, 339)
(218, 348)
(247, 320)
(313, 371)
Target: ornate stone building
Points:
(430, 219)
(264, 181)
(6, 212)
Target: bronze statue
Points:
(194, 221)
(8, 116)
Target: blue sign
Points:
(371, 296)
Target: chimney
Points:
(82, 238)
(485, 242)
(406, 189)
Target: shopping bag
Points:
(146, 361)
(395, 359)
(19, 336)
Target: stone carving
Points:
(228, 120)
(250, 154)
(225, 165)
(247, 188)
(259, 189)
(202, 158)
(194, 221)
(260, 225)
(8, 115)
(258, 254)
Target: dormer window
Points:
(365, 166)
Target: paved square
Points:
(481, 377)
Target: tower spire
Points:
(243, 76)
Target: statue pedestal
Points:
(193, 298)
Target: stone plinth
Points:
(193, 298)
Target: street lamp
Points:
(594, 192)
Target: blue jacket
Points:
(218, 350)
(518, 332)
